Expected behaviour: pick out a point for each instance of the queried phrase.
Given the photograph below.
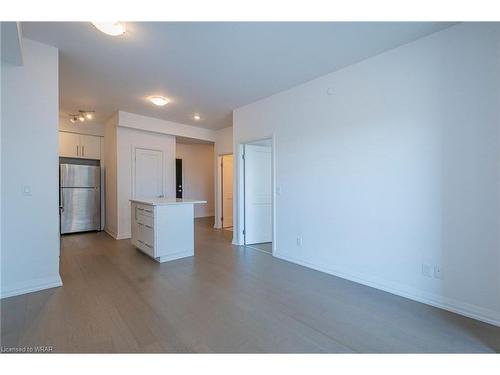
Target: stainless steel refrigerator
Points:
(80, 198)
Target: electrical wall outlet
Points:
(299, 241)
(438, 272)
(426, 270)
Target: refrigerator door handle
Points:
(61, 200)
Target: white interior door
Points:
(258, 194)
(227, 191)
(148, 173)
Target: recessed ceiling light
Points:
(81, 118)
(197, 117)
(110, 28)
(159, 100)
(89, 116)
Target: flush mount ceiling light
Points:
(158, 100)
(110, 28)
(196, 117)
(81, 116)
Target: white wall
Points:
(134, 121)
(223, 146)
(127, 141)
(111, 188)
(392, 163)
(30, 223)
(198, 175)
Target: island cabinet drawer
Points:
(145, 239)
(145, 220)
(145, 210)
(147, 236)
(143, 228)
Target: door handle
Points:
(61, 197)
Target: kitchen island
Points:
(163, 228)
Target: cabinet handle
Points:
(148, 226)
(77, 154)
(83, 150)
(148, 245)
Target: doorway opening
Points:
(226, 184)
(258, 195)
(178, 178)
(195, 176)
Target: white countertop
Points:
(166, 201)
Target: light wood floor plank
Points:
(225, 299)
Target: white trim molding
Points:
(32, 286)
(117, 236)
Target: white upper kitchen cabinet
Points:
(73, 145)
(91, 147)
(69, 144)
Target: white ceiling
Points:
(208, 68)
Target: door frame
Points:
(218, 186)
(221, 217)
(239, 189)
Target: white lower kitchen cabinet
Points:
(164, 228)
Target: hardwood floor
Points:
(225, 299)
(265, 246)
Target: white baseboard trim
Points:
(458, 307)
(117, 236)
(110, 232)
(31, 286)
(203, 215)
(178, 255)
